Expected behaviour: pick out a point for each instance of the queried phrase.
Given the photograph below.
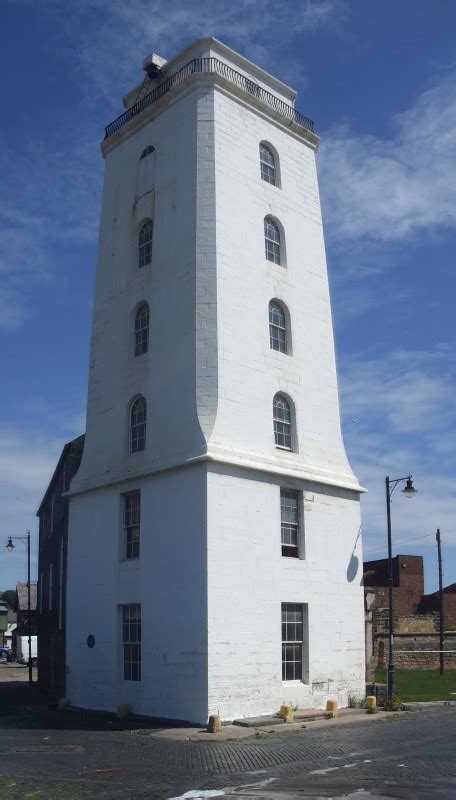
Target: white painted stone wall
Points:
(211, 578)
(250, 373)
(169, 580)
(248, 579)
(166, 375)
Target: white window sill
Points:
(293, 558)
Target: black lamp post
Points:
(10, 547)
(409, 490)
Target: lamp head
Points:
(409, 489)
(9, 546)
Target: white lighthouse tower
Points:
(214, 561)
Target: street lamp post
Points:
(409, 490)
(10, 547)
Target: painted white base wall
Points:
(211, 580)
(169, 580)
(248, 580)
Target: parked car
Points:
(6, 654)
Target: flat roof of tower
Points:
(210, 56)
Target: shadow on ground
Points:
(28, 707)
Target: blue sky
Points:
(379, 79)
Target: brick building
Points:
(22, 608)
(431, 602)
(408, 583)
(52, 569)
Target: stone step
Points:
(309, 714)
(301, 715)
(258, 722)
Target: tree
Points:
(9, 598)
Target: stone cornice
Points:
(234, 459)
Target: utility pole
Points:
(29, 627)
(390, 669)
(439, 551)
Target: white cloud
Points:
(399, 415)
(122, 33)
(48, 201)
(409, 391)
(389, 189)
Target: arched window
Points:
(267, 164)
(272, 240)
(277, 327)
(281, 414)
(138, 412)
(142, 330)
(147, 151)
(145, 244)
(145, 171)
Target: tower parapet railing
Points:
(211, 66)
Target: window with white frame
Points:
(138, 414)
(292, 641)
(272, 243)
(281, 413)
(142, 329)
(267, 164)
(277, 327)
(132, 523)
(131, 642)
(145, 244)
(289, 516)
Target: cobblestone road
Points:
(45, 755)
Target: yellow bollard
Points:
(214, 725)
(371, 703)
(332, 709)
(287, 714)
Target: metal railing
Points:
(210, 66)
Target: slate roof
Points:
(22, 596)
(450, 589)
(77, 443)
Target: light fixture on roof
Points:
(152, 65)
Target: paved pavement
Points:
(46, 755)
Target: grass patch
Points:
(421, 684)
